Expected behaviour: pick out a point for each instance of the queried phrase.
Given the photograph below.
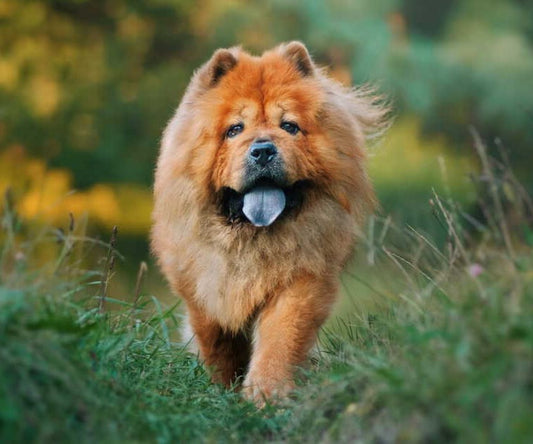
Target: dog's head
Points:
(263, 133)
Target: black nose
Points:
(262, 152)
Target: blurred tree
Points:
(429, 17)
(453, 62)
(89, 85)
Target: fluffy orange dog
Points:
(259, 189)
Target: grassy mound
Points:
(442, 349)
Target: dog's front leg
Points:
(285, 330)
(225, 353)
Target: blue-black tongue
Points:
(263, 205)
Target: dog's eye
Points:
(233, 130)
(290, 127)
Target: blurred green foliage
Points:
(89, 85)
(86, 88)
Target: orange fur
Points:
(256, 296)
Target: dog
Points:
(260, 190)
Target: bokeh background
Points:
(86, 87)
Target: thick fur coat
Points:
(257, 295)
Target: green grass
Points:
(421, 349)
(70, 371)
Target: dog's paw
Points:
(262, 390)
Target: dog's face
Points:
(266, 128)
(266, 118)
(272, 132)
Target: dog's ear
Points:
(222, 61)
(297, 54)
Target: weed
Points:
(433, 341)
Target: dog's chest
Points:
(231, 292)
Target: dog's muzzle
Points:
(265, 194)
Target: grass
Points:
(431, 343)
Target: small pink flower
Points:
(475, 270)
(20, 256)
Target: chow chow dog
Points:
(260, 188)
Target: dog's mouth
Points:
(263, 203)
